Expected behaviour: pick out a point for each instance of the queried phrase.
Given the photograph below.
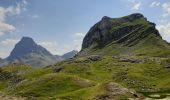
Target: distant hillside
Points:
(70, 54)
(25, 47)
(28, 52)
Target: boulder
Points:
(130, 60)
(58, 69)
(95, 58)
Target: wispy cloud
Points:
(166, 8)
(51, 46)
(6, 46)
(136, 6)
(1, 33)
(9, 42)
(80, 34)
(59, 48)
(6, 27)
(78, 40)
(9, 11)
(155, 4)
(164, 29)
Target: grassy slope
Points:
(40, 83)
(150, 76)
(82, 79)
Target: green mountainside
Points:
(131, 34)
(121, 59)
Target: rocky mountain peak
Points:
(128, 29)
(27, 39)
(26, 46)
(106, 18)
(136, 16)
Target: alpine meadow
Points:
(84, 50)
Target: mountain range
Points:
(121, 59)
(26, 51)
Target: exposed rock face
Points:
(129, 29)
(27, 51)
(25, 47)
(57, 69)
(95, 58)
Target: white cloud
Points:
(78, 40)
(6, 46)
(20, 7)
(2, 14)
(11, 10)
(6, 27)
(166, 7)
(3, 54)
(55, 48)
(164, 29)
(80, 34)
(155, 4)
(1, 33)
(9, 42)
(47, 43)
(51, 46)
(14, 10)
(136, 6)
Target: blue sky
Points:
(60, 25)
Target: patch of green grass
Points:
(82, 78)
(50, 85)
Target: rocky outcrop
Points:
(128, 30)
(113, 92)
(95, 57)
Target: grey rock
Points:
(130, 60)
(26, 51)
(57, 69)
(95, 58)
